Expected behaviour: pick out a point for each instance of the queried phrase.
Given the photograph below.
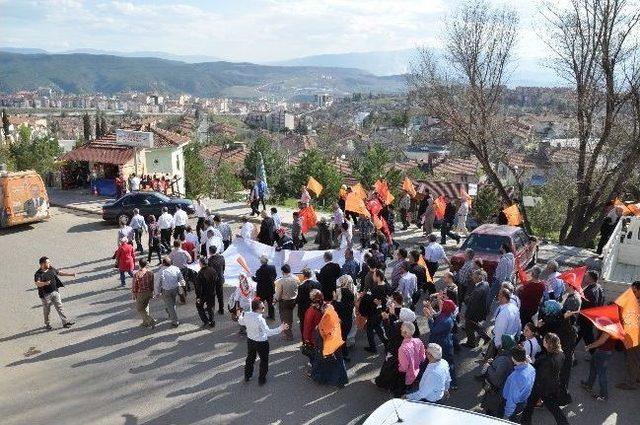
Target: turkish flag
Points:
(309, 218)
(574, 278)
(355, 204)
(374, 206)
(522, 276)
(607, 319)
(630, 315)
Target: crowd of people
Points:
(133, 183)
(528, 327)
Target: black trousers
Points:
(226, 244)
(374, 326)
(271, 311)
(550, 403)
(165, 239)
(199, 226)
(585, 331)
(403, 217)
(255, 204)
(154, 246)
(219, 296)
(205, 310)
(177, 231)
(432, 267)
(137, 234)
(259, 348)
(472, 328)
(445, 230)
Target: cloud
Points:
(253, 30)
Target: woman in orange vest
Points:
(328, 364)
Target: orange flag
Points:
(630, 315)
(359, 190)
(377, 221)
(514, 218)
(355, 204)
(243, 263)
(407, 186)
(625, 208)
(382, 188)
(309, 218)
(439, 206)
(634, 209)
(607, 319)
(314, 186)
(426, 270)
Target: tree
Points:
(465, 88)
(547, 215)
(314, 164)
(596, 49)
(104, 128)
(372, 165)
(86, 126)
(225, 181)
(5, 122)
(197, 179)
(39, 154)
(98, 128)
(274, 161)
(485, 205)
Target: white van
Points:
(399, 411)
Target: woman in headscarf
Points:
(343, 302)
(328, 365)
(410, 355)
(241, 299)
(312, 317)
(154, 238)
(441, 314)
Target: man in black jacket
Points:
(216, 262)
(267, 232)
(303, 301)
(594, 297)
(329, 274)
(205, 287)
(447, 223)
(476, 309)
(265, 284)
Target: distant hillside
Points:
(77, 73)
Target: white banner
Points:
(252, 250)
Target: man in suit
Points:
(265, 284)
(329, 274)
(303, 301)
(447, 223)
(216, 262)
(477, 309)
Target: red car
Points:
(486, 240)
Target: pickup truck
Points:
(621, 258)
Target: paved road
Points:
(106, 370)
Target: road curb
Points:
(74, 208)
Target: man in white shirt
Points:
(214, 239)
(179, 222)
(507, 322)
(275, 215)
(433, 255)
(190, 236)
(165, 224)
(407, 285)
(139, 226)
(225, 231)
(435, 381)
(257, 340)
(201, 214)
(168, 280)
(247, 229)
(134, 183)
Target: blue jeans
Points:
(122, 276)
(598, 367)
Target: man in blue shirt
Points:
(519, 384)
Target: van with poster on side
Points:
(23, 198)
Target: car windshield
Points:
(480, 242)
(156, 198)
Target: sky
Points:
(240, 30)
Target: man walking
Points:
(477, 309)
(142, 292)
(165, 224)
(257, 340)
(139, 226)
(225, 231)
(47, 280)
(447, 223)
(216, 262)
(303, 299)
(265, 279)
(167, 283)
(433, 255)
(179, 222)
(329, 274)
(405, 205)
(206, 293)
(285, 296)
(201, 214)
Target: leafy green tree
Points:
(6, 157)
(104, 127)
(225, 181)
(274, 161)
(313, 163)
(98, 128)
(486, 204)
(549, 213)
(197, 179)
(39, 154)
(5, 122)
(372, 165)
(86, 126)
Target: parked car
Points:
(146, 202)
(486, 240)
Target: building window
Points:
(178, 163)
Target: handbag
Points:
(307, 350)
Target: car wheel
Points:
(534, 259)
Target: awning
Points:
(105, 153)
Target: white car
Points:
(396, 411)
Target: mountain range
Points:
(89, 73)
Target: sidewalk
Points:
(81, 200)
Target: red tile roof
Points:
(164, 138)
(461, 166)
(103, 150)
(215, 154)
